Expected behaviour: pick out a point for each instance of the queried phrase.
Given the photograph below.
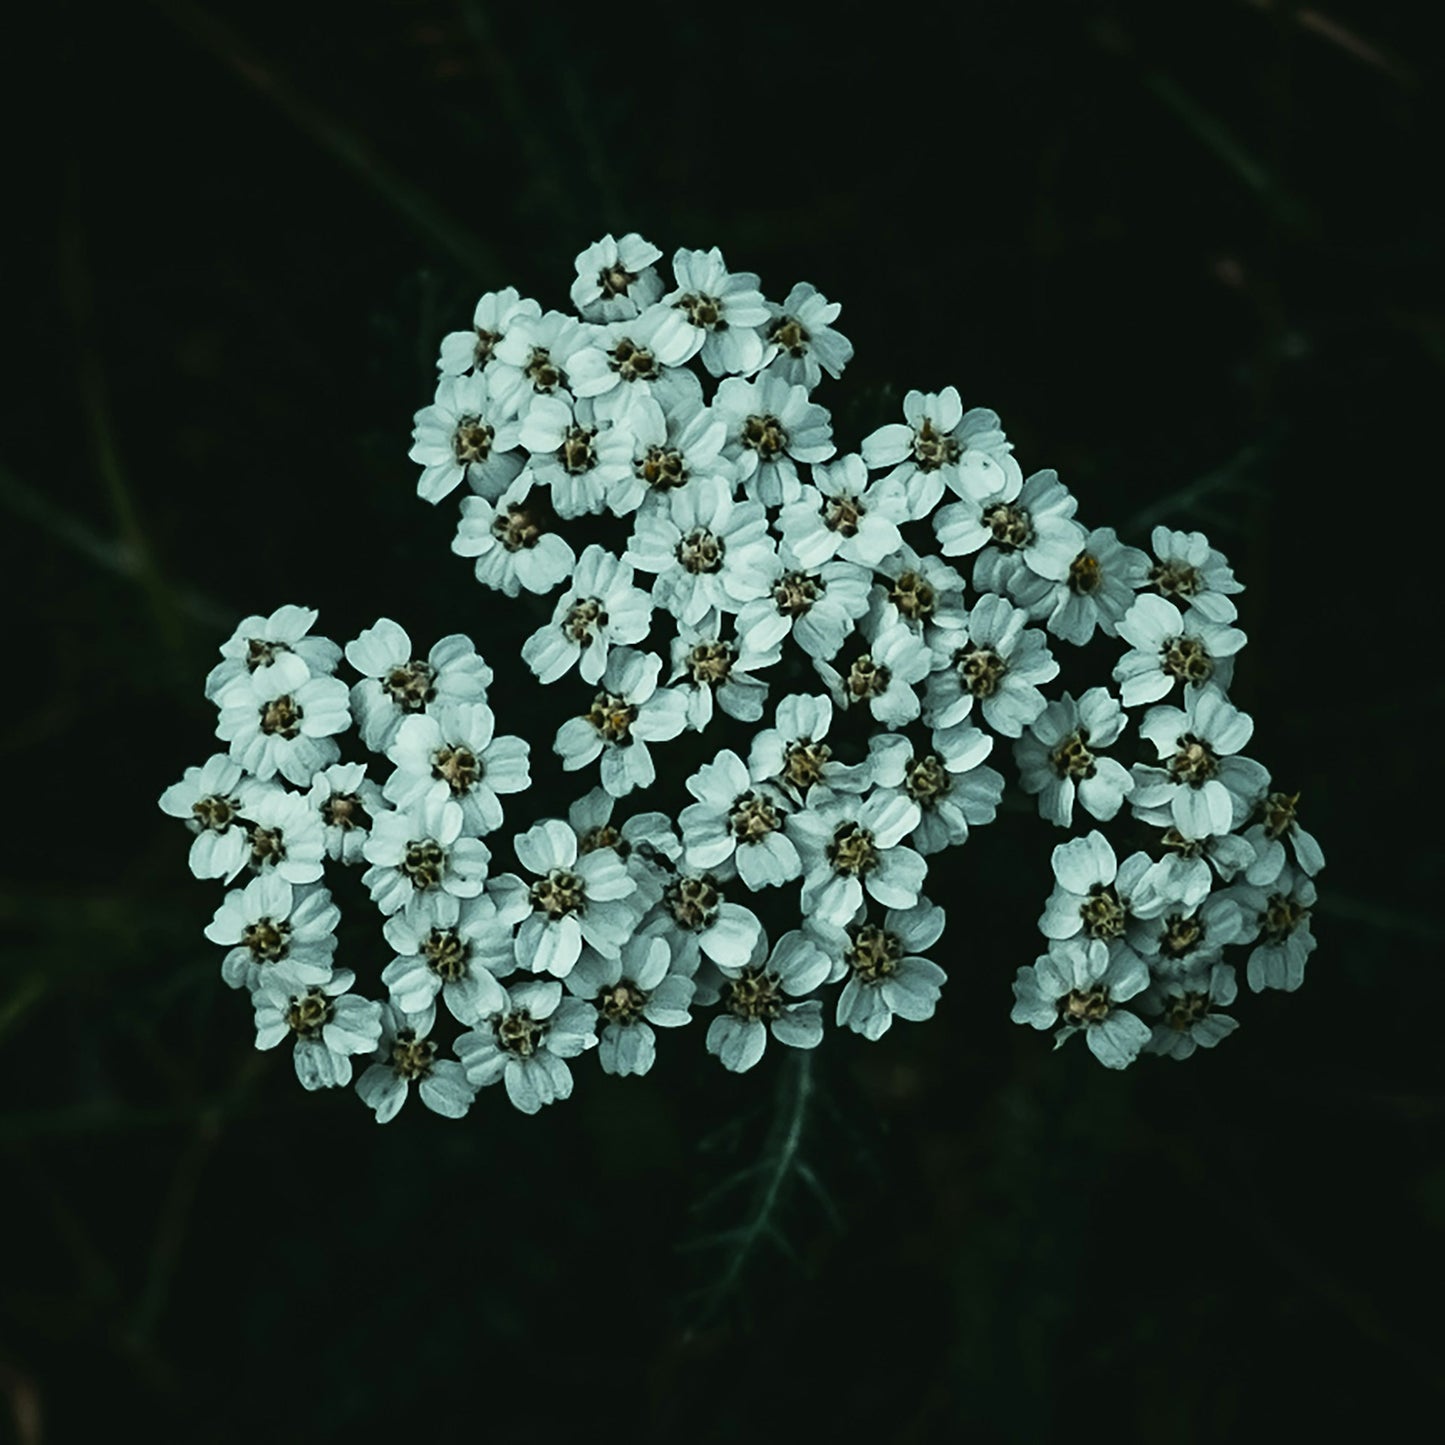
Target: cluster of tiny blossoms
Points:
(657, 464)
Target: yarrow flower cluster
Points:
(657, 468)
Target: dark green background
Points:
(1192, 256)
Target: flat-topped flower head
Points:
(617, 278)
(471, 350)
(817, 607)
(1079, 985)
(795, 755)
(887, 975)
(527, 1044)
(1033, 532)
(801, 341)
(631, 362)
(851, 844)
(1095, 896)
(725, 311)
(464, 437)
(880, 668)
(765, 996)
(1096, 593)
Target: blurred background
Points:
(1189, 253)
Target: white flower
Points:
(794, 755)
(531, 361)
(819, 608)
(513, 541)
(669, 448)
(1095, 895)
(726, 311)
(801, 341)
(1183, 874)
(588, 898)
(1058, 757)
(601, 607)
(887, 975)
(275, 933)
(258, 641)
(772, 426)
(849, 844)
(1279, 916)
(528, 1043)
(632, 992)
(453, 753)
(1097, 592)
(629, 712)
(286, 836)
(463, 436)
(1183, 940)
(419, 849)
(329, 1025)
(737, 821)
(282, 718)
(409, 1057)
(1000, 665)
(927, 592)
(712, 666)
(1206, 789)
(1079, 984)
(841, 515)
(209, 799)
(575, 456)
(699, 916)
(1169, 645)
(455, 947)
(395, 683)
(630, 361)
(756, 1001)
(1191, 570)
(645, 842)
(1190, 1006)
(1034, 532)
(890, 659)
(937, 445)
(616, 279)
(952, 787)
(472, 350)
(709, 551)
(345, 800)
(1276, 822)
